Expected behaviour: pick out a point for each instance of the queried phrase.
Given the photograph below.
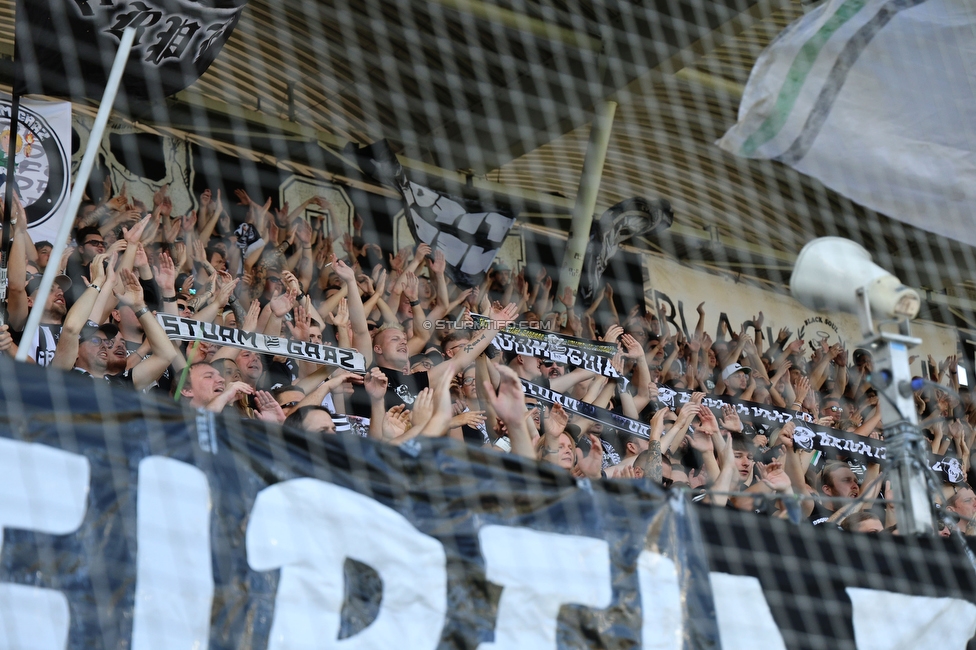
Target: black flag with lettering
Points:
(66, 47)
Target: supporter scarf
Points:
(594, 356)
(833, 443)
(185, 329)
(588, 411)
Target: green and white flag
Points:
(877, 100)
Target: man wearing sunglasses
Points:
(832, 409)
(90, 243)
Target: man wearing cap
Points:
(736, 378)
(49, 332)
(98, 350)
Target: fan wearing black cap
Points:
(49, 332)
(99, 350)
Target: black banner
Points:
(67, 47)
(807, 588)
(156, 523)
(128, 522)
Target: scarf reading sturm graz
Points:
(594, 356)
(185, 329)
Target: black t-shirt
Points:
(402, 389)
(474, 436)
(121, 380)
(76, 271)
(281, 373)
(820, 515)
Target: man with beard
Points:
(91, 244)
(99, 351)
(736, 378)
(49, 332)
(535, 370)
(251, 366)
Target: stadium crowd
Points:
(278, 274)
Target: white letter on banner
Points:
(884, 620)
(744, 619)
(540, 572)
(307, 528)
(46, 490)
(660, 601)
(174, 569)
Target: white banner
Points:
(680, 289)
(185, 329)
(874, 98)
(43, 162)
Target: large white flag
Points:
(877, 100)
(43, 162)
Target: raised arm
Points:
(466, 355)
(129, 292)
(509, 403)
(17, 310)
(357, 314)
(67, 350)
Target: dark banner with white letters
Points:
(128, 522)
(67, 47)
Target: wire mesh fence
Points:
(297, 213)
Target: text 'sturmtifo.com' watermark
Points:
(487, 324)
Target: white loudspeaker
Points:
(830, 270)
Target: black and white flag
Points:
(468, 233)
(66, 47)
(629, 218)
(185, 329)
(42, 162)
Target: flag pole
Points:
(8, 197)
(78, 191)
(579, 229)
